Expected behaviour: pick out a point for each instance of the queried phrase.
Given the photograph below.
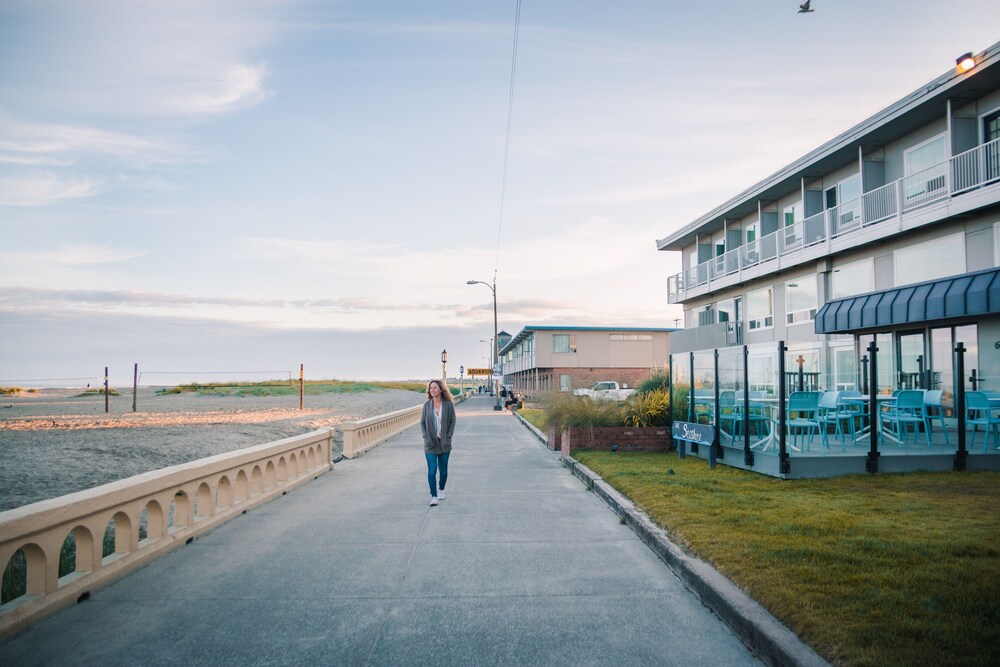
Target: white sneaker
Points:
(434, 500)
(441, 494)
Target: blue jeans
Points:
(434, 463)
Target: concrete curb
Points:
(767, 637)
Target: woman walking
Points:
(437, 424)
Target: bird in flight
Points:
(804, 7)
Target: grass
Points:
(289, 388)
(99, 392)
(12, 391)
(536, 416)
(887, 569)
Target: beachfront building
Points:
(887, 234)
(553, 358)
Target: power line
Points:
(506, 149)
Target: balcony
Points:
(874, 215)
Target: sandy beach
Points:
(54, 442)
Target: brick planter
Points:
(554, 438)
(648, 439)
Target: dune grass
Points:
(13, 391)
(99, 391)
(887, 569)
(287, 387)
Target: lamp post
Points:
(493, 345)
(444, 366)
(461, 375)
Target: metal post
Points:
(694, 445)
(106, 389)
(716, 449)
(747, 452)
(670, 388)
(874, 419)
(135, 385)
(784, 463)
(920, 372)
(302, 386)
(800, 361)
(960, 455)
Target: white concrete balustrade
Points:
(172, 505)
(362, 435)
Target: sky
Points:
(241, 187)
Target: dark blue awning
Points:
(966, 295)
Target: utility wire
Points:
(506, 149)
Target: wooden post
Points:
(106, 389)
(302, 386)
(135, 385)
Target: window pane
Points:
(854, 278)
(924, 157)
(850, 189)
(927, 261)
(801, 299)
(560, 342)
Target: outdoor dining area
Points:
(784, 423)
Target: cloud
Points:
(228, 88)
(69, 255)
(41, 188)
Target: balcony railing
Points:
(964, 172)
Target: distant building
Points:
(553, 358)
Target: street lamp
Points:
(444, 366)
(461, 375)
(493, 288)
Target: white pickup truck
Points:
(607, 390)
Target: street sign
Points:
(486, 372)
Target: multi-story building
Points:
(889, 233)
(551, 358)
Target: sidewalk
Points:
(520, 565)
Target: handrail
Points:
(362, 435)
(173, 505)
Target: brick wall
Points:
(649, 439)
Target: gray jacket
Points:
(433, 444)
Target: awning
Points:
(966, 295)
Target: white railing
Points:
(362, 435)
(964, 172)
(143, 517)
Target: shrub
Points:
(565, 410)
(659, 380)
(651, 408)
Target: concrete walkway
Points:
(520, 565)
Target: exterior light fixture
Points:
(614, 447)
(444, 366)
(965, 62)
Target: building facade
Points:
(889, 233)
(549, 358)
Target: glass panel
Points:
(731, 396)
(804, 356)
(969, 335)
(911, 360)
(704, 387)
(681, 381)
(850, 189)
(844, 366)
(942, 368)
(760, 309)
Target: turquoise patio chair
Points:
(907, 411)
(934, 410)
(729, 413)
(853, 409)
(805, 406)
(828, 414)
(977, 403)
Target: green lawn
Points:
(887, 569)
(536, 416)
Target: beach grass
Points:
(13, 391)
(287, 387)
(887, 569)
(99, 391)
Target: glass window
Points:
(849, 189)
(564, 342)
(751, 233)
(565, 382)
(933, 259)
(924, 156)
(801, 299)
(760, 309)
(854, 278)
(793, 213)
(727, 310)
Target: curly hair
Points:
(445, 392)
